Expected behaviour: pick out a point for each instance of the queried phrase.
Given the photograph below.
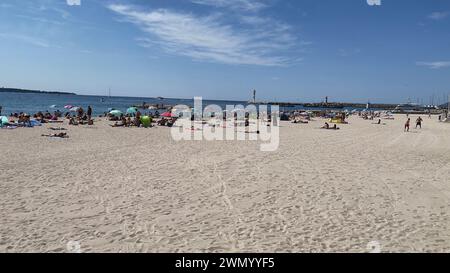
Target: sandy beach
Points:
(137, 190)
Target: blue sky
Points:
(288, 50)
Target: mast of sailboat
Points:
(109, 93)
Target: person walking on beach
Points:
(89, 112)
(407, 125)
(419, 122)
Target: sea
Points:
(34, 102)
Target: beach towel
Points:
(8, 127)
(34, 122)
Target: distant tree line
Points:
(25, 91)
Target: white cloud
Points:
(245, 5)
(438, 15)
(435, 65)
(73, 2)
(209, 38)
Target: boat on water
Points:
(413, 108)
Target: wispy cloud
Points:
(26, 39)
(435, 65)
(438, 15)
(246, 5)
(209, 38)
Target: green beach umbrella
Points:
(116, 113)
(4, 120)
(132, 110)
(146, 121)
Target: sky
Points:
(288, 50)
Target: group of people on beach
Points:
(17, 120)
(23, 120)
(135, 120)
(419, 121)
(81, 117)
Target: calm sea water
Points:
(32, 103)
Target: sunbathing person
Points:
(327, 127)
(122, 123)
(171, 122)
(300, 121)
(24, 120)
(377, 123)
(162, 122)
(60, 135)
(114, 118)
(72, 121)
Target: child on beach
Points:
(407, 125)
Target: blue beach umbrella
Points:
(132, 111)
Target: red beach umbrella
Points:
(167, 115)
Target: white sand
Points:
(136, 190)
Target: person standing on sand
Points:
(89, 112)
(419, 122)
(407, 125)
(137, 119)
(1, 107)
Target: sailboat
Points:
(109, 96)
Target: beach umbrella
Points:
(4, 120)
(132, 111)
(152, 108)
(115, 113)
(74, 109)
(167, 115)
(68, 106)
(146, 121)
